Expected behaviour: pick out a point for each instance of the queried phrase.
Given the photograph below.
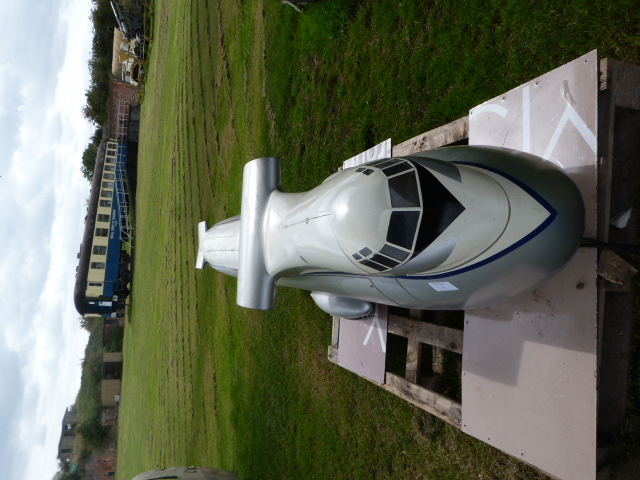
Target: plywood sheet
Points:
(529, 374)
(529, 366)
(362, 345)
(553, 116)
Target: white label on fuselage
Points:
(442, 286)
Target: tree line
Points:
(91, 434)
(96, 109)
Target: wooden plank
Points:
(604, 79)
(605, 135)
(332, 354)
(429, 401)
(425, 332)
(617, 307)
(615, 269)
(438, 137)
(335, 332)
(623, 79)
(432, 402)
(414, 353)
(437, 360)
(437, 353)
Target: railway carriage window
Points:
(402, 228)
(102, 232)
(95, 284)
(109, 168)
(109, 176)
(105, 203)
(98, 265)
(107, 184)
(110, 160)
(106, 193)
(100, 250)
(103, 217)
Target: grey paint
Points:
(187, 473)
(307, 240)
(340, 306)
(256, 287)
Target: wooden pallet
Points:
(411, 388)
(618, 171)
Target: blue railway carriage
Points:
(103, 272)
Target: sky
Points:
(43, 80)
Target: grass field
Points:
(208, 383)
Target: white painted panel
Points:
(553, 116)
(362, 345)
(529, 366)
(380, 151)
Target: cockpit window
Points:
(421, 209)
(406, 207)
(374, 265)
(403, 190)
(384, 163)
(403, 227)
(382, 260)
(398, 168)
(394, 252)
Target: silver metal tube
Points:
(256, 288)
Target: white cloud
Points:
(42, 85)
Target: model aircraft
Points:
(187, 473)
(452, 228)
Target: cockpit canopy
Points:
(393, 228)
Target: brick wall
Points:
(119, 91)
(101, 464)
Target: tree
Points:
(93, 432)
(86, 323)
(90, 154)
(114, 340)
(96, 109)
(64, 472)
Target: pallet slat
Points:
(438, 137)
(432, 402)
(436, 335)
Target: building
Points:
(126, 64)
(67, 434)
(111, 378)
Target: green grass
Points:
(208, 383)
